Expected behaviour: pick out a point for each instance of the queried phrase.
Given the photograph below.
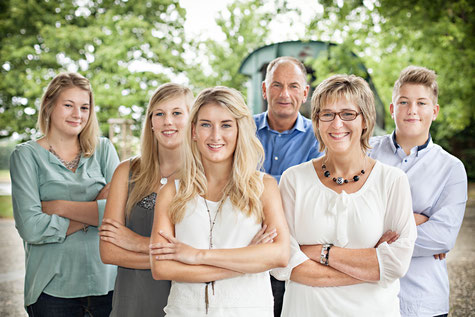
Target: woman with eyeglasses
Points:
(350, 216)
(204, 225)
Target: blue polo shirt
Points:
(288, 148)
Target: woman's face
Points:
(215, 133)
(169, 120)
(71, 112)
(341, 136)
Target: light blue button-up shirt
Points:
(439, 191)
(60, 265)
(288, 148)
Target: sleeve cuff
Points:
(101, 207)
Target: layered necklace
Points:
(342, 180)
(70, 165)
(212, 222)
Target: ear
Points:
(391, 110)
(264, 91)
(193, 132)
(435, 112)
(305, 93)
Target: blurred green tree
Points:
(126, 49)
(390, 35)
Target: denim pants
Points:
(90, 306)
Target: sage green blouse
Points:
(56, 264)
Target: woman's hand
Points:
(389, 237)
(104, 193)
(174, 250)
(114, 232)
(263, 236)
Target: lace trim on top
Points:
(148, 202)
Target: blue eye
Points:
(177, 113)
(85, 108)
(403, 102)
(422, 103)
(205, 125)
(67, 105)
(226, 125)
(159, 114)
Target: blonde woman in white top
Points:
(350, 215)
(222, 201)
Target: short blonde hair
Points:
(419, 76)
(146, 167)
(354, 89)
(245, 187)
(89, 136)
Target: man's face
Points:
(285, 90)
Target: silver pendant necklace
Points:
(164, 179)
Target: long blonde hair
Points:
(145, 169)
(245, 186)
(89, 136)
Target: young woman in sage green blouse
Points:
(58, 192)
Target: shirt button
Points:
(276, 158)
(279, 135)
(405, 161)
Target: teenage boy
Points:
(438, 185)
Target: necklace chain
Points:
(212, 222)
(70, 165)
(342, 180)
(164, 179)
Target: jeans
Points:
(89, 306)
(278, 289)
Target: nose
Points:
(168, 120)
(215, 134)
(284, 92)
(337, 122)
(76, 112)
(412, 108)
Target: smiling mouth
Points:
(169, 132)
(338, 136)
(215, 146)
(412, 120)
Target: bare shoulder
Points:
(271, 189)
(122, 170)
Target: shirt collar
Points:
(299, 124)
(396, 146)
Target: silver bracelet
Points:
(325, 255)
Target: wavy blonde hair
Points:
(245, 186)
(89, 136)
(354, 89)
(145, 168)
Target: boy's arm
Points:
(438, 234)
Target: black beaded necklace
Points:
(341, 180)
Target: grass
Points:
(4, 175)
(6, 210)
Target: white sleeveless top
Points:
(245, 295)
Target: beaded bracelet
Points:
(325, 255)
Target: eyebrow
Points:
(426, 98)
(72, 101)
(206, 120)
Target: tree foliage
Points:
(390, 35)
(101, 39)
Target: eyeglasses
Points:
(346, 115)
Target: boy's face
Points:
(413, 111)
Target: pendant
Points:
(340, 180)
(163, 180)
